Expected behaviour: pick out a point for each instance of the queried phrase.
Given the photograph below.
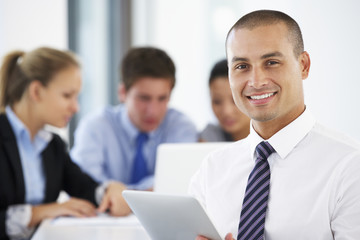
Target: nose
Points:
(75, 106)
(228, 108)
(152, 108)
(257, 78)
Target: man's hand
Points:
(114, 201)
(229, 236)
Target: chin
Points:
(149, 129)
(60, 124)
(229, 131)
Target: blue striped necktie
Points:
(252, 218)
(139, 170)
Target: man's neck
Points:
(267, 129)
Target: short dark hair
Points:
(269, 17)
(146, 62)
(220, 69)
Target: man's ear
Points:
(122, 93)
(305, 64)
(35, 90)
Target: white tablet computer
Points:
(171, 217)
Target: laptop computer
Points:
(171, 217)
(176, 163)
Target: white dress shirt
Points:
(314, 187)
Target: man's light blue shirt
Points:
(30, 155)
(105, 143)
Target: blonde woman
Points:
(37, 88)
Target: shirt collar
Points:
(285, 140)
(42, 138)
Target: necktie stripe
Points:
(259, 167)
(253, 213)
(259, 178)
(254, 191)
(250, 213)
(255, 229)
(251, 201)
(268, 149)
(256, 234)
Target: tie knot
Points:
(142, 137)
(264, 150)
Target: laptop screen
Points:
(176, 163)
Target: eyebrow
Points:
(239, 59)
(273, 54)
(265, 56)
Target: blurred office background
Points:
(193, 33)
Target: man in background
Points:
(120, 142)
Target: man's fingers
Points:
(201, 238)
(229, 236)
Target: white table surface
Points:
(51, 230)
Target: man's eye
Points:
(271, 63)
(144, 98)
(67, 95)
(216, 102)
(241, 66)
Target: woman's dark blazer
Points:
(60, 173)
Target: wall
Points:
(27, 25)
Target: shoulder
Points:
(224, 160)
(56, 142)
(56, 148)
(237, 149)
(101, 118)
(231, 153)
(175, 117)
(332, 138)
(102, 114)
(177, 127)
(6, 132)
(330, 147)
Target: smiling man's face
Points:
(265, 76)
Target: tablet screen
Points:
(175, 217)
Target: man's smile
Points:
(262, 96)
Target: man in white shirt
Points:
(314, 184)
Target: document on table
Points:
(100, 220)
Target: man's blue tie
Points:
(252, 218)
(139, 170)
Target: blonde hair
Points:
(19, 69)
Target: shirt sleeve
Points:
(197, 185)
(100, 191)
(17, 220)
(87, 151)
(145, 184)
(345, 221)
